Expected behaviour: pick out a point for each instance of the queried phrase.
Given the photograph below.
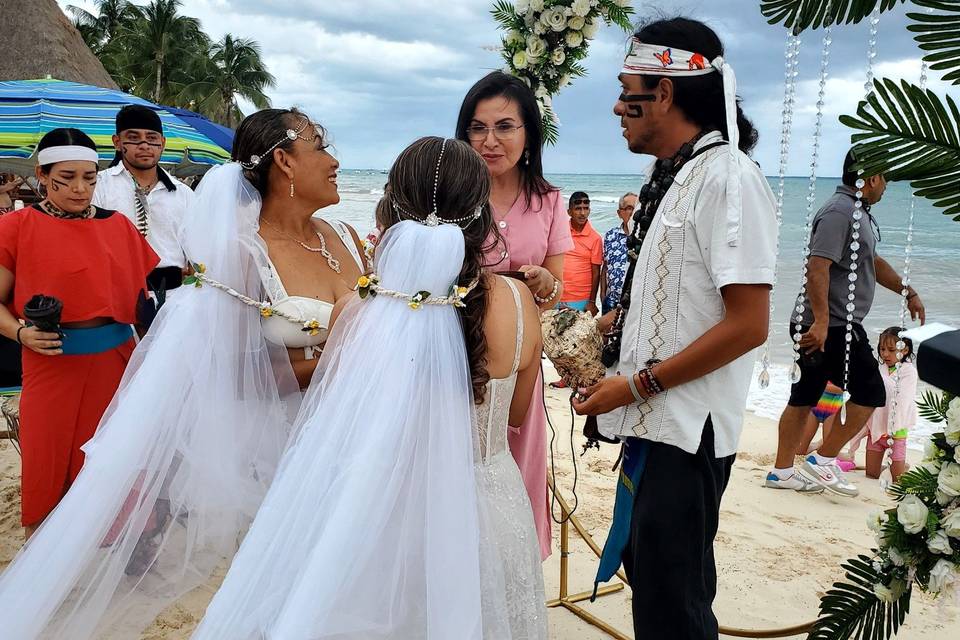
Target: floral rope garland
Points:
(369, 286)
(199, 277)
(545, 42)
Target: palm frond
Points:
(933, 406)
(799, 15)
(908, 133)
(917, 481)
(505, 13)
(620, 16)
(852, 610)
(939, 35)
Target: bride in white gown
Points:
(398, 512)
(186, 450)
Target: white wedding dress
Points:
(510, 569)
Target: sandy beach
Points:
(777, 552)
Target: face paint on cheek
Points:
(56, 184)
(634, 110)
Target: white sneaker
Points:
(798, 482)
(830, 476)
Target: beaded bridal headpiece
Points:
(432, 219)
(291, 135)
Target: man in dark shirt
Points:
(832, 300)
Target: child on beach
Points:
(882, 433)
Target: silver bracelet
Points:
(553, 294)
(633, 388)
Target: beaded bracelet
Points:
(649, 381)
(553, 294)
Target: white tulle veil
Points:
(192, 438)
(370, 529)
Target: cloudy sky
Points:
(380, 73)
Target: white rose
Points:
(930, 450)
(558, 56)
(541, 92)
(536, 5)
(520, 60)
(883, 593)
(943, 499)
(942, 576)
(574, 38)
(949, 480)
(875, 521)
(939, 543)
(912, 514)
(564, 80)
(590, 30)
(580, 7)
(539, 29)
(514, 37)
(951, 523)
(896, 557)
(521, 6)
(536, 47)
(576, 23)
(554, 19)
(952, 428)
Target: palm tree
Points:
(98, 29)
(234, 68)
(157, 43)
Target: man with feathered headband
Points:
(695, 305)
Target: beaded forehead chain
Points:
(432, 219)
(291, 135)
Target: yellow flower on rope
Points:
(266, 312)
(462, 292)
(414, 304)
(312, 327)
(363, 282)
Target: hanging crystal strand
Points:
(811, 198)
(905, 282)
(855, 237)
(791, 71)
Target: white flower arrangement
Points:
(918, 540)
(545, 42)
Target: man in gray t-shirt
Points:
(835, 247)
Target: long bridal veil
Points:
(370, 527)
(182, 457)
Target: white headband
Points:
(647, 59)
(66, 153)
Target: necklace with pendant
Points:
(332, 262)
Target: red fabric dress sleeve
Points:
(9, 237)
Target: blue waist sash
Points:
(80, 342)
(631, 474)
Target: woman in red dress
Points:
(95, 263)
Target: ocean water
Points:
(934, 261)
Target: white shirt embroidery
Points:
(115, 191)
(684, 262)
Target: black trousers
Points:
(669, 558)
(11, 374)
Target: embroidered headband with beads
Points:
(655, 60)
(291, 135)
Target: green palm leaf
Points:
(908, 133)
(933, 406)
(800, 15)
(851, 609)
(939, 35)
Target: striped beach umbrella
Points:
(31, 108)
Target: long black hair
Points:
(498, 83)
(64, 137)
(699, 97)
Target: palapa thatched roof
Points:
(41, 41)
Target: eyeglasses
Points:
(503, 131)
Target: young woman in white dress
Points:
(191, 441)
(398, 511)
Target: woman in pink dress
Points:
(500, 118)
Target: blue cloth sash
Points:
(79, 342)
(579, 305)
(631, 473)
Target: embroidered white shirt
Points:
(684, 262)
(115, 191)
